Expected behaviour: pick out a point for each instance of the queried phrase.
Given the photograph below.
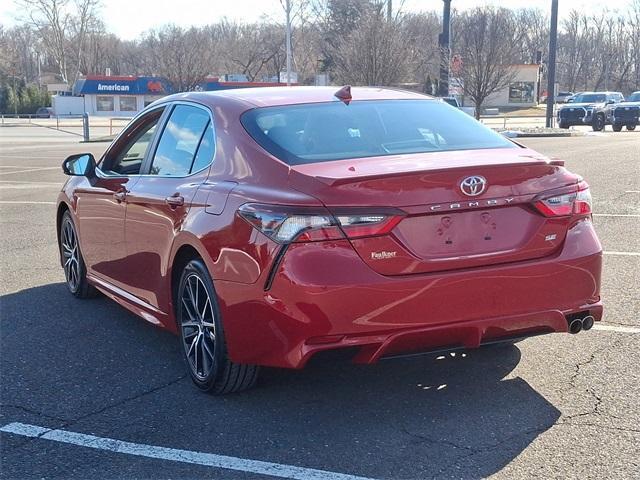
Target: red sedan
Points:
(266, 225)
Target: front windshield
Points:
(634, 97)
(333, 130)
(590, 98)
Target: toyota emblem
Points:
(473, 186)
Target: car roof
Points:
(274, 96)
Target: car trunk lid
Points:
(444, 228)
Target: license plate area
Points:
(468, 233)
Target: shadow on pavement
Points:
(93, 367)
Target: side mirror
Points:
(610, 102)
(80, 165)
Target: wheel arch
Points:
(184, 250)
(62, 208)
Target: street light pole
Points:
(551, 64)
(288, 40)
(443, 87)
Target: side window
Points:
(204, 156)
(180, 138)
(127, 159)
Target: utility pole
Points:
(288, 40)
(551, 64)
(389, 9)
(445, 52)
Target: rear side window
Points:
(176, 152)
(332, 131)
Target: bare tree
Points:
(178, 54)
(488, 42)
(374, 53)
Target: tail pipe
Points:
(578, 322)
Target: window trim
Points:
(161, 121)
(148, 161)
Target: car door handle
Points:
(120, 195)
(174, 200)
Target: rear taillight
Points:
(357, 226)
(285, 224)
(573, 201)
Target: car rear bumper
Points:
(323, 296)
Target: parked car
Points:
(589, 108)
(264, 226)
(627, 113)
(562, 97)
(44, 112)
(453, 101)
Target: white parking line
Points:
(35, 184)
(33, 169)
(632, 215)
(26, 202)
(624, 254)
(616, 328)
(184, 456)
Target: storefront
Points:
(120, 96)
(521, 90)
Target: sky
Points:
(129, 18)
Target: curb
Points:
(518, 134)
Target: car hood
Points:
(628, 104)
(582, 105)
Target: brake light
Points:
(285, 224)
(357, 226)
(290, 224)
(576, 201)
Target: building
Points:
(125, 96)
(522, 91)
(116, 96)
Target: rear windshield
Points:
(319, 132)
(590, 98)
(635, 97)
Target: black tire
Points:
(563, 125)
(598, 123)
(75, 271)
(616, 127)
(202, 332)
(631, 127)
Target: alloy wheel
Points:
(198, 326)
(70, 255)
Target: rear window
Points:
(319, 132)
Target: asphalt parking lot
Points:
(558, 406)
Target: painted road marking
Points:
(25, 202)
(23, 186)
(624, 254)
(33, 169)
(632, 215)
(616, 328)
(184, 456)
(52, 184)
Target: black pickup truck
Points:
(627, 113)
(589, 108)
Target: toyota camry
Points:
(263, 226)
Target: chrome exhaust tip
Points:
(575, 326)
(587, 322)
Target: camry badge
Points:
(473, 186)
